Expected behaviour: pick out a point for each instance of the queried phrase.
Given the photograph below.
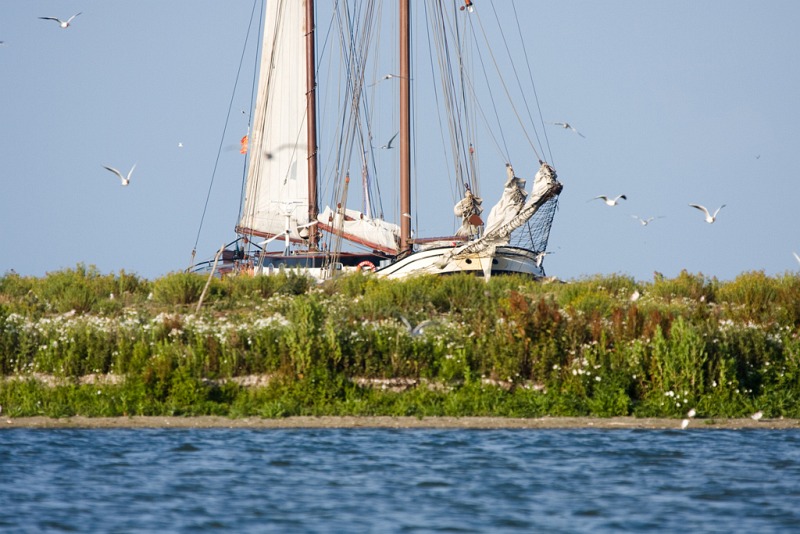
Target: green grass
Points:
(509, 347)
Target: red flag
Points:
(243, 150)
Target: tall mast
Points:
(405, 127)
(311, 114)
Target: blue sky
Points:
(680, 102)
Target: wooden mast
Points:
(311, 114)
(405, 128)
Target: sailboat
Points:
(285, 148)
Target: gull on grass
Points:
(125, 180)
(709, 218)
(610, 201)
(63, 23)
(691, 413)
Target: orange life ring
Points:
(366, 265)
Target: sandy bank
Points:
(393, 422)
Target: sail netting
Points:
(516, 210)
(535, 233)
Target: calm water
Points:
(399, 480)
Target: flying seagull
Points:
(124, 179)
(610, 201)
(389, 144)
(796, 256)
(419, 329)
(645, 222)
(709, 218)
(386, 77)
(63, 23)
(568, 126)
(540, 257)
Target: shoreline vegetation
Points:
(82, 348)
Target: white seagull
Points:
(796, 256)
(645, 222)
(389, 144)
(684, 424)
(63, 23)
(756, 416)
(691, 413)
(124, 179)
(540, 257)
(386, 77)
(419, 329)
(610, 201)
(568, 126)
(709, 218)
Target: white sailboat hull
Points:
(505, 260)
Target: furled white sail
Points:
(510, 212)
(277, 176)
(375, 233)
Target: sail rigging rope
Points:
(224, 130)
(530, 76)
(516, 74)
(505, 88)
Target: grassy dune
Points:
(78, 342)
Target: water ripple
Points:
(366, 480)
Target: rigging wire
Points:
(504, 151)
(224, 130)
(516, 74)
(505, 88)
(530, 76)
(435, 19)
(253, 93)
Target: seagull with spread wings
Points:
(125, 180)
(709, 218)
(568, 126)
(63, 23)
(610, 201)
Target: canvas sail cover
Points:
(375, 233)
(276, 192)
(511, 212)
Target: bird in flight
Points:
(124, 179)
(610, 201)
(386, 77)
(568, 126)
(63, 23)
(389, 144)
(709, 218)
(796, 256)
(540, 257)
(419, 329)
(645, 222)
